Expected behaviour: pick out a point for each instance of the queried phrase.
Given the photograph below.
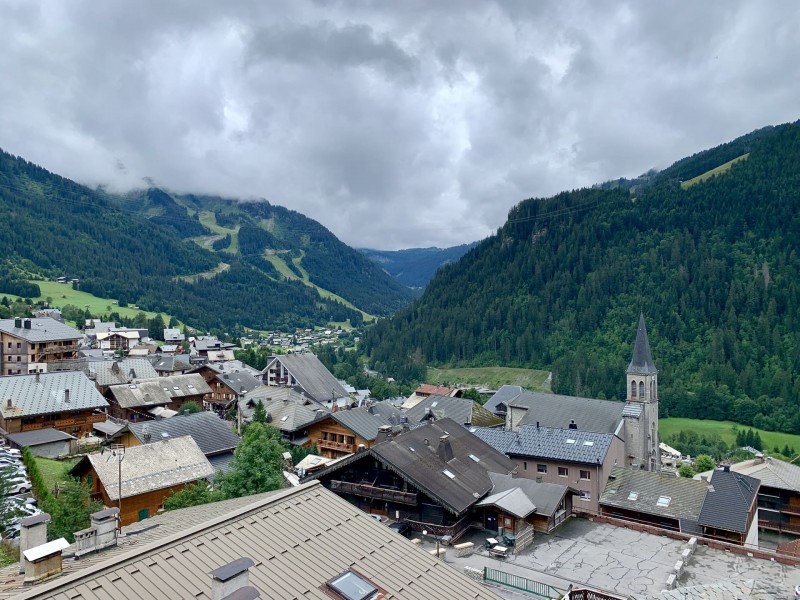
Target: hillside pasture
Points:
(716, 171)
(491, 377)
(727, 431)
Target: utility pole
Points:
(118, 453)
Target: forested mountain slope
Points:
(136, 248)
(414, 267)
(715, 268)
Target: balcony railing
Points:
(331, 445)
(779, 526)
(371, 491)
(789, 509)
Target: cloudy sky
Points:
(394, 124)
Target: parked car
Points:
(403, 529)
(19, 505)
(11, 451)
(18, 485)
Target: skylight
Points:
(633, 495)
(588, 443)
(132, 386)
(284, 417)
(475, 458)
(570, 441)
(449, 474)
(352, 587)
(434, 403)
(663, 501)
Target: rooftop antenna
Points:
(117, 452)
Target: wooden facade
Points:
(334, 440)
(20, 357)
(75, 422)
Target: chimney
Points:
(43, 560)
(537, 425)
(9, 403)
(66, 395)
(101, 534)
(26, 323)
(37, 375)
(384, 433)
(726, 468)
(18, 323)
(573, 424)
(33, 532)
(131, 374)
(759, 458)
(445, 450)
(231, 578)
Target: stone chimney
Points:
(33, 532)
(43, 560)
(384, 434)
(231, 579)
(445, 450)
(572, 424)
(102, 533)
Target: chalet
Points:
(654, 498)
(173, 336)
(118, 338)
(28, 345)
(425, 390)
(291, 412)
(67, 401)
(462, 410)
(106, 373)
(145, 399)
(305, 372)
(213, 436)
(579, 459)
(303, 542)
(143, 350)
(148, 474)
(430, 477)
(177, 364)
(729, 508)
(515, 503)
(345, 431)
(226, 387)
(201, 345)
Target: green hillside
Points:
(715, 268)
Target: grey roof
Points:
(311, 375)
(634, 489)
(771, 472)
(513, 501)
(112, 372)
(169, 364)
(45, 393)
(366, 421)
(240, 381)
(149, 467)
(39, 436)
(222, 463)
(42, 329)
(279, 402)
(632, 409)
(554, 410)
(551, 443)
(420, 456)
(298, 538)
(642, 360)
(728, 500)
(212, 434)
(461, 410)
(503, 396)
(107, 427)
(205, 343)
(545, 497)
(158, 390)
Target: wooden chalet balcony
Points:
(56, 349)
(65, 422)
(778, 526)
(331, 445)
(371, 491)
(790, 509)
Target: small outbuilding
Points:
(47, 443)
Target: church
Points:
(634, 422)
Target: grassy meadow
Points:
(491, 377)
(725, 429)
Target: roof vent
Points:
(66, 395)
(573, 424)
(26, 323)
(9, 403)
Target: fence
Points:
(521, 583)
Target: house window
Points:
(524, 465)
(586, 475)
(563, 472)
(508, 523)
(541, 468)
(19, 345)
(19, 358)
(90, 482)
(144, 514)
(586, 495)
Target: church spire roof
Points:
(642, 361)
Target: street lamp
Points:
(436, 537)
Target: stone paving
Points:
(628, 562)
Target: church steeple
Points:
(642, 361)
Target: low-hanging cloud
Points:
(393, 124)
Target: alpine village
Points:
(203, 398)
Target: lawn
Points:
(54, 470)
(667, 427)
(491, 377)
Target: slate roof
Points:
(554, 410)
(549, 443)
(149, 467)
(365, 421)
(311, 375)
(410, 456)
(503, 396)
(434, 390)
(44, 393)
(728, 500)
(170, 364)
(545, 496)
(112, 372)
(512, 501)
(38, 437)
(239, 381)
(642, 360)
(42, 329)
(299, 539)
(770, 472)
(685, 495)
(212, 434)
(281, 402)
(158, 390)
(461, 410)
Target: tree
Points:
(69, 509)
(155, 327)
(189, 408)
(193, 494)
(685, 470)
(257, 464)
(704, 462)
(260, 413)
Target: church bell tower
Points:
(641, 411)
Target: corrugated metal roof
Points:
(298, 538)
(549, 442)
(554, 410)
(44, 329)
(513, 501)
(149, 467)
(45, 393)
(39, 436)
(545, 496)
